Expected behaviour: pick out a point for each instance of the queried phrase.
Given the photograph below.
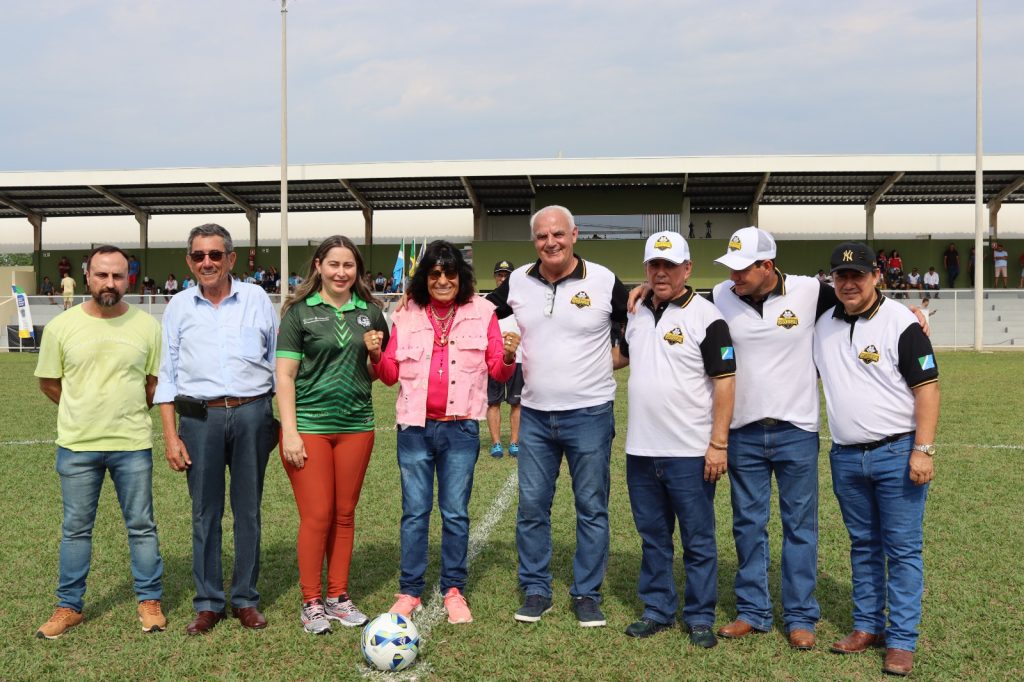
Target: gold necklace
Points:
(444, 325)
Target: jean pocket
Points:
(595, 410)
(469, 427)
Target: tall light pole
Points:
(284, 150)
(979, 191)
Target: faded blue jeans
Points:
(584, 437)
(884, 512)
(449, 448)
(81, 479)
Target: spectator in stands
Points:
(148, 286)
(186, 283)
(1021, 262)
(895, 262)
(170, 287)
(951, 262)
(1000, 259)
(293, 282)
(248, 278)
(380, 282)
(85, 271)
(931, 280)
(882, 262)
(821, 276)
(46, 288)
(970, 268)
(898, 283)
(271, 281)
(133, 272)
(914, 279)
(257, 275)
(67, 288)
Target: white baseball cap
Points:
(668, 246)
(746, 246)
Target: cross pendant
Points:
(440, 371)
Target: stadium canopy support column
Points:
(36, 221)
(250, 211)
(479, 214)
(684, 213)
(367, 209)
(996, 202)
(869, 207)
(755, 203)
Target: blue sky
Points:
(130, 84)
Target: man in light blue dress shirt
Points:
(217, 374)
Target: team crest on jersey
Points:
(869, 355)
(787, 319)
(674, 336)
(735, 244)
(580, 300)
(364, 321)
(662, 243)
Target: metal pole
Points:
(284, 149)
(979, 190)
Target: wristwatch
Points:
(928, 449)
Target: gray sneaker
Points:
(314, 619)
(535, 606)
(344, 611)
(588, 613)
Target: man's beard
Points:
(107, 298)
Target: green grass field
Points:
(973, 606)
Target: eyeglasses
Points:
(435, 275)
(200, 256)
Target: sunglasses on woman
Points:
(435, 275)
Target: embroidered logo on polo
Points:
(926, 361)
(580, 300)
(728, 353)
(674, 336)
(315, 319)
(787, 319)
(662, 243)
(735, 244)
(363, 320)
(869, 355)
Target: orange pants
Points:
(326, 493)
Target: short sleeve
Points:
(499, 297)
(916, 357)
(289, 336)
(381, 325)
(717, 350)
(155, 344)
(50, 364)
(827, 299)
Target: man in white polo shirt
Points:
(774, 430)
(881, 388)
(566, 308)
(682, 360)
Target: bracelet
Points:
(719, 446)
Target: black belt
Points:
(231, 401)
(770, 421)
(878, 443)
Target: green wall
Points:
(624, 256)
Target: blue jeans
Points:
(756, 451)
(883, 511)
(661, 490)
(584, 436)
(81, 478)
(240, 438)
(449, 448)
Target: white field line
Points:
(434, 611)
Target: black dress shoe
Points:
(645, 627)
(250, 617)
(204, 622)
(702, 636)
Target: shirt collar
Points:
(682, 300)
(778, 290)
(235, 286)
(353, 303)
(840, 312)
(579, 272)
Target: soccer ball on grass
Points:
(390, 642)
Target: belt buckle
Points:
(769, 421)
(227, 402)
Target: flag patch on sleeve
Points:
(927, 361)
(727, 353)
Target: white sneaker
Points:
(314, 618)
(345, 612)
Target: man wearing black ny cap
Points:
(881, 388)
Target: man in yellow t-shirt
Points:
(67, 287)
(99, 362)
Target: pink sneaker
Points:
(406, 605)
(456, 606)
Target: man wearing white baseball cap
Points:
(681, 355)
(774, 430)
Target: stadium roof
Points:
(713, 184)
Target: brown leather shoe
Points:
(737, 629)
(250, 617)
(857, 641)
(898, 662)
(204, 622)
(801, 639)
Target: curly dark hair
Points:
(448, 256)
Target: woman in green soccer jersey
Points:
(323, 394)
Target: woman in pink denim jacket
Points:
(443, 345)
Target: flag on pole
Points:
(412, 257)
(398, 276)
(25, 328)
(423, 248)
